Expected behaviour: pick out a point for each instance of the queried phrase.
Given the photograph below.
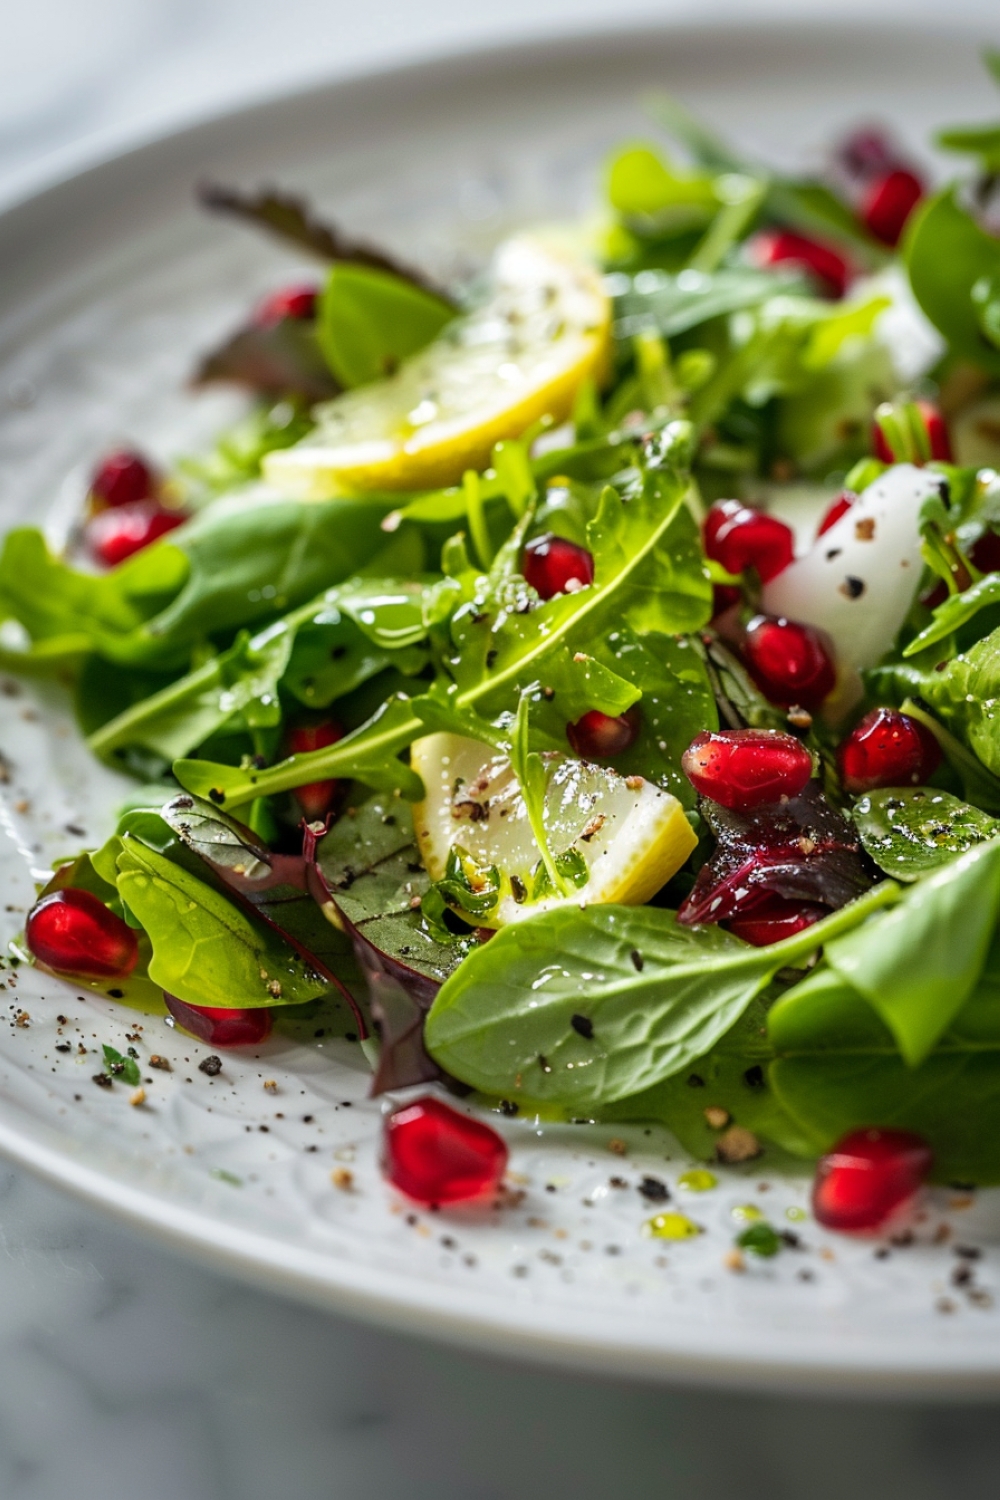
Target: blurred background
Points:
(124, 1367)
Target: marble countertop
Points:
(125, 1367)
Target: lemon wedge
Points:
(520, 356)
(627, 836)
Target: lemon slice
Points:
(522, 355)
(631, 836)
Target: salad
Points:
(579, 685)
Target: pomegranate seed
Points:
(776, 918)
(434, 1154)
(122, 478)
(315, 798)
(114, 535)
(937, 435)
(74, 933)
(777, 247)
(552, 565)
(221, 1027)
(839, 508)
(868, 1178)
(792, 664)
(298, 302)
(887, 749)
(744, 768)
(598, 736)
(888, 203)
(738, 538)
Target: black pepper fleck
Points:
(583, 1026)
(211, 1065)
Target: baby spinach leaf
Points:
(910, 831)
(369, 321)
(947, 254)
(838, 1070)
(732, 1077)
(206, 949)
(918, 963)
(657, 996)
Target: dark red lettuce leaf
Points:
(801, 849)
(280, 360)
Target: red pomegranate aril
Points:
(938, 436)
(298, 302)
(867, 153)
(887, 748)
(315, 798)
(790, 663)
(742, 768)
(782, 247)
(239, 1027)
(552, 566)
(888, 202)
(114, 535)
(869, 1178)
(775, 919)
(73, 932)
(599, 736)
(839, 508)
(738, 538)
(435, 1154)
(122, 478)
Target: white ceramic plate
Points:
(110, 283)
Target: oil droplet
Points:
(797, 1215)
(671, 1227)
(698, 1180)
(747, 1213)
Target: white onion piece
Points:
(857, 581)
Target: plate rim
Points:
(518, 1330)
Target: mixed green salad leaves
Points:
(332, 692)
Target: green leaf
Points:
(643, 187)
(657, 995)
(955, 611)
(498, 639)
(980, 785)
(946, 255)
(533, 778)
(909, 832)
(966, 695)
(838, 1070)
(658, 302)
(369, 321)
(918, 963)
(975, 140)
(125, 1068)
(206, 950)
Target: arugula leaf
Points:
(947, 255)
(319, 653)
(533, 779)
(648, 575)
(979, 784)
(838, 1070)
(206, 950)
(656, 301)
(369, 321)
(918, 963)
(657, 995)
(964, 696)
(235, 461)
(910, 831)
(955, 611)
